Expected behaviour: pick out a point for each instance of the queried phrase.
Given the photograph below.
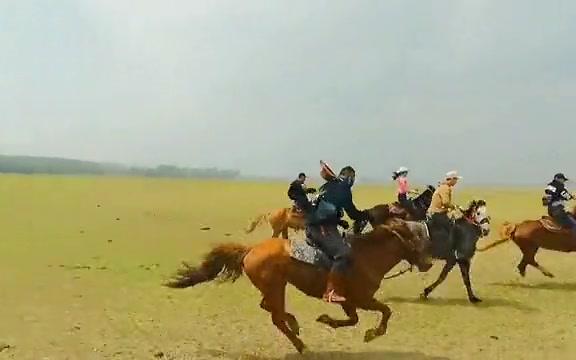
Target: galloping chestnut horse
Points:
(531, 235)
(270, 267)
(280, 220)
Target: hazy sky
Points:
(270, 87)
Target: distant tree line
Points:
(47, 165)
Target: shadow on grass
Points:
(558, 286)
(331, 355)
(486, 303)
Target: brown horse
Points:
(531, 235)
(270, 266)
(280, 220)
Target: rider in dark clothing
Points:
(322, 228)
(555, 198)
(297, 192)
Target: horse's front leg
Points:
(447, 268)
(350, 311)
(465, 270)
(379, 330)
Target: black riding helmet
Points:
(560, 176)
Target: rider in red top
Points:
(401, 177)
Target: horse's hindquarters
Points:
(533, 234)
(309, 279)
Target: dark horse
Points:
(379, 214)
(456, 245)
(531, 235)
(272, 264)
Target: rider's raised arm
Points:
(351, 209)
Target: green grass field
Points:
(82, 260)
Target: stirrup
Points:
(332, 297)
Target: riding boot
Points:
(334, 288)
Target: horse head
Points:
(477, 214)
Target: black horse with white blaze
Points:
(458, 245)
(454, 245)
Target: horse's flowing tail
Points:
(506, 234)
(256, 222)
(224, 262)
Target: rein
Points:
(399, 273)
(404, 271)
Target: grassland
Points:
(82, 260)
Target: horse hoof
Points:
(550, 275)
(372, 334)
(424, 295)
(300, 347)
(475, 300)
(326, 320)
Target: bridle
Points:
(471, 216)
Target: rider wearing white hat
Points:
(442, 201)
(442, 198)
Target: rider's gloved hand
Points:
(344, 224)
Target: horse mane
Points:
(472, 206)
(382, 233)
(380, 213)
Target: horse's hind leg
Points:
(272, 285)
(276, 232)
(290, 319)
(447, 268)
(465, 270)
(528, 258)
(380, 330)
(528, 252)
(542, 269)
(352, 320)
(275, 300)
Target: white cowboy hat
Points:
(402, 169)
(453, 175)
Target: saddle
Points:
(551, 225)
(305, 251)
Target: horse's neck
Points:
(471, 230)
(376, 261)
